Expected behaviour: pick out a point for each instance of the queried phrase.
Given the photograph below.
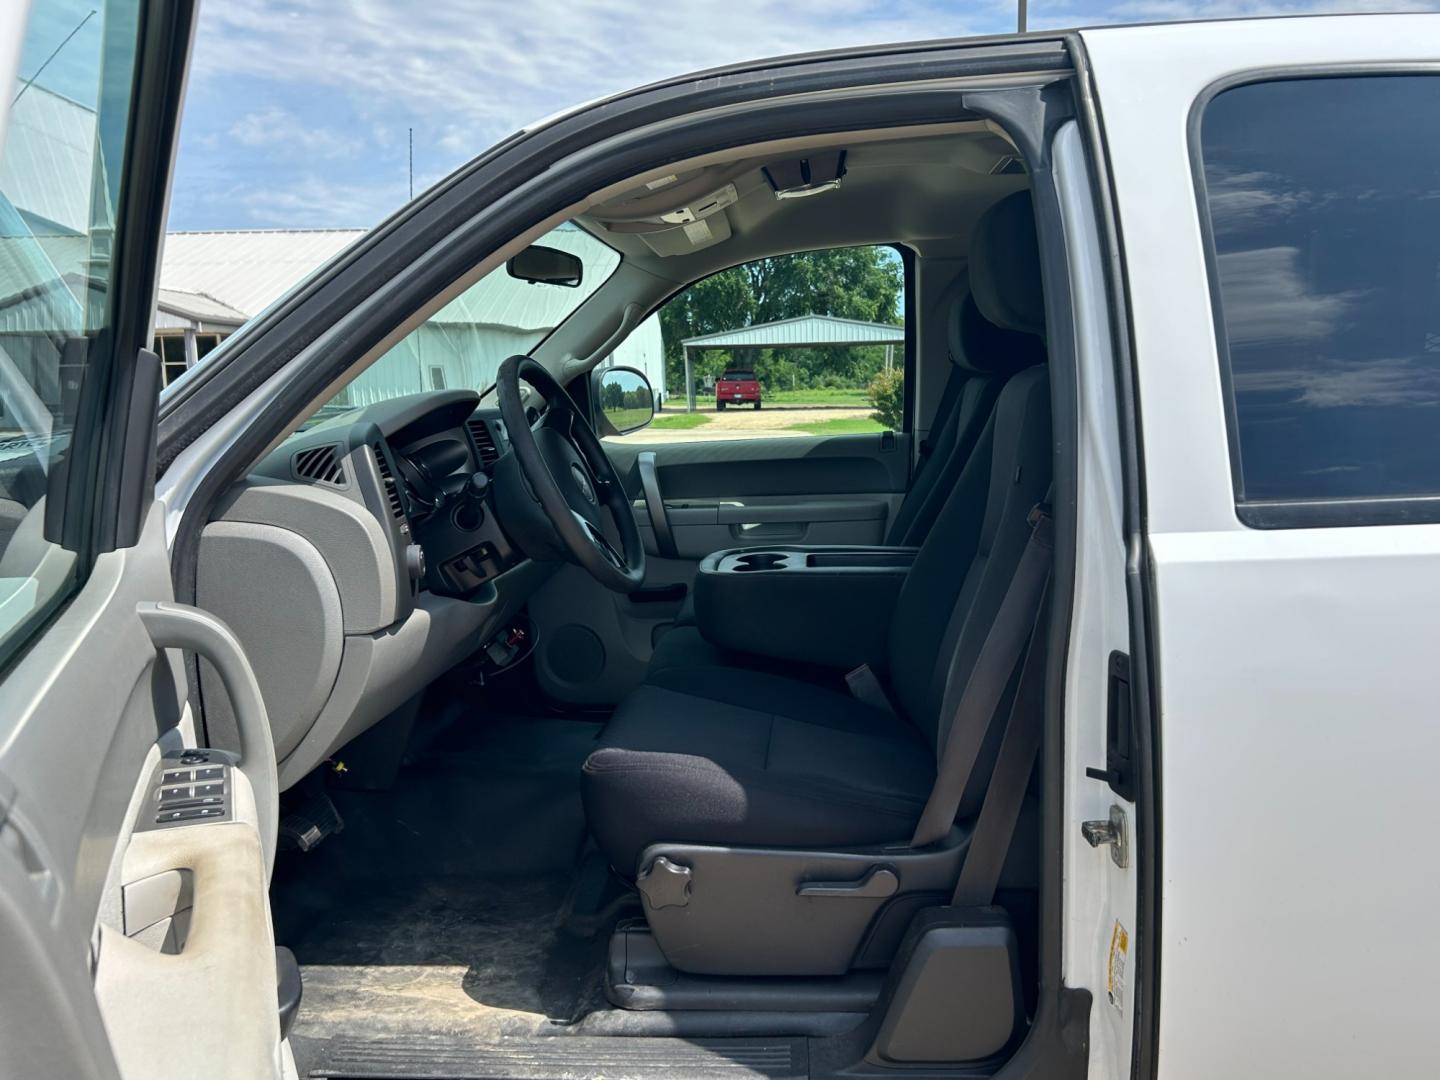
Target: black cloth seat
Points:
(983, 356)
(760, 760)
(720, 754)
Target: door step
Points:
(577, 1057)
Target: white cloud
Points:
(1166, 10)
(481, 70)
(1325, 383)
(276, 127)
(316, 203)
(465, 73)
(1266, 298)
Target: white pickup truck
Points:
(1083, 726)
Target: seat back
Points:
(969, 554)
(984, 356)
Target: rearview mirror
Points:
(546, 266)
(626, 401)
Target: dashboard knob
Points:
(415, 563)
(477, 485)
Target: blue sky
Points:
(298, 109)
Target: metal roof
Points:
(499, 300)
(247, 270)
(801, 332)
(49, 159)
(198, 306)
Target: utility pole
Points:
(410, 134)
(1020, 21)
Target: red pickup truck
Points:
(737, 388)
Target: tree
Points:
(865, 283)
(887, 394)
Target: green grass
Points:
(817, 396)
(860, 425)
(680, 421)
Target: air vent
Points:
(392, 490)
(484, 441)
(319, 465)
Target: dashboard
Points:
(357, 562)
(422, 464)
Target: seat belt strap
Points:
(995, 827)
(993, 668)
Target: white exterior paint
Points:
(1297, 695)
(1098, 894)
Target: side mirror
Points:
(624, 400)
(546, 266)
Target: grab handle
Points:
(180, 626)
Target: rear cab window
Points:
(1321, 200)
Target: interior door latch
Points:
(1112, 832)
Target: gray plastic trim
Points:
(274, 589)
(655, 504)
(351, 538)
(179, 626)
(752, 911)
(379, 672)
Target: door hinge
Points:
(1111, 831)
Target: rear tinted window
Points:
(1323, 199)
(738, 375)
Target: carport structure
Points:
(801, 332)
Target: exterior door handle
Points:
(180, 626)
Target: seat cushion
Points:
(685, 648)
(716, 756)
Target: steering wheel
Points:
(566, 478)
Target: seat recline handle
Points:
(655, 505)
(180, 626)
(879, 883)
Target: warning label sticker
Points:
(1115, 968)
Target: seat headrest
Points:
(1005, 266)
(977, 345)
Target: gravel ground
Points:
(746, 424)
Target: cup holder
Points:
(760, 560)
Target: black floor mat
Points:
(440, 909)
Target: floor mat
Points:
(441, 908)
(474, 958)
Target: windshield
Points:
(463, 344)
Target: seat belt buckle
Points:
(865, 688)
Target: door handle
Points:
(655, 505)
(180, 626)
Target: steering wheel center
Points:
(582, 483)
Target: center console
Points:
(826, 605)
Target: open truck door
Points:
(134, 917)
